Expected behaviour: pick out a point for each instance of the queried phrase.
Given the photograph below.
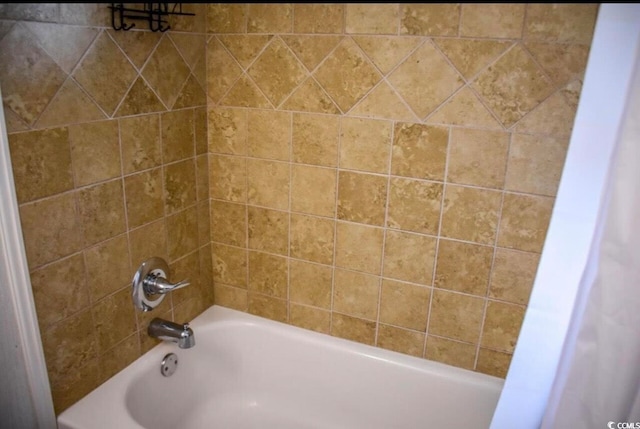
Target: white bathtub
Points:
(249, 372)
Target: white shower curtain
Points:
(598, 380)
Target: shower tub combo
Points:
(249, 372)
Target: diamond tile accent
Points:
(387, 52)
(166, 72)
(310, 97)
(563, 63)
(347, 75)
(191, 95)
(423, 94)
(70, 106)
(464, 109)
(277, 72)
(311, 50)
(513, 86)
(554, 116)
(136, 44)
(244, 93)
(191, 46)
(471, 56)
(383, 102)
(105, 73)
(14, 123)
(222, 70)
(139, 99)
(245, 48)
(30, 78)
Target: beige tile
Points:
(229, 265)
(400, 340)
(179, 185)
(105, 73)
(465, 109)
(191, 46)
(245, 93)
(178, 140)
(347, 75)
(245, 47)
(513, 86)
(30, 78)
(372, 18)
(228, 223)
(268, 307)
(231, 297)
(202, 178)
(166, 72)
(315, 139)
(502, 324)
(318, 18)
(101, 210)
(268, 230)
(140, 99)
(362, 197)
(358, 247)
(70, 105)
(186, 268)
(409, 257)
(493, 362)
(569, 23)
(562, 62)
(311, 49)
(268, 183)
(227, 130)
(535, 164)
(356, 294)
(456, 316)
(144, 197)
(277, 71)
(69, 388)
(524, 222)
(269, 134)
(226, 18)
(383, 102)
(310, 97)
(137, 45)
(92, 14)
(114, 319)
(419, 151)
(222, 70)
(313, 190)
(194, 24)
(365, 144)
(470, 214)
(119, 357)
(404, 305)
(312, 238)
(60, 290)
(462, 355)
(470, 56)
(386, 51)
(352, 328)
(228, 178)
(140, 137)
(201, 130)
(463, 267)
(41, 162)
(108, 267)
(414, 205)
(492, 20)
(310, 284)
(513, 275)
(268, 274)
(270, 18)
(29, 11)
(429, 19)
(478, 157)
(310, 318)
(13, 121)
(147, 242)
(554, 116)
(182, 233)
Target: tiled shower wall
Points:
(108, 139)
(386, 173)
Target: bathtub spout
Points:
(173, 332)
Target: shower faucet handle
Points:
(150, 284)
(155, 284)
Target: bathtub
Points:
(249, 372)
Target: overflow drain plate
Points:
(169, 364)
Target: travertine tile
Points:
(182, 233)
(315, 139)
(60, 290)
(229, 265)
(383, 102)
(228, 223)
(137, 45)
(387, 51)
(572, 23)
(191, 46)
(202, 178)
(147, 242)
(310, 318)
(311, 49)
(362, 197)
(93, 14)
(140, 99)
(101, 211)
(177, 135)
(478, 157)
(119, 357)
(70, 105)
(268, 183)
(268, 307)
(270, 18)
(68, 388)
(231, 297)
(310, 284)
(405, 305)
(227, 130)
(456, 316)
(318, 18)
(470, 55)
(554, 116)
(191, 94)
(193, 24)
(222, 70)
(465, 109)
(470, 214)
(41, 163)
(114, 319)
(409, 257)
(312, 238)
(268, 274)
(502, 325)
(268, 230)
(95, 152)
(310, 97)
(245, 93)
(492, 20)
(269, 134)
(144, 197)
(419, 151)
(463, 267)
(244, 47)
(356, 294)
(372, 18)
(400, 340)
(358, 247)
(179, 185)
(226, 18)
(313, 190)
(29, 12)
(228, 178)
(462, 355)
(108, 267)
(201, 130)
(140, 139)
(535, 164)
(513, 275)
(365, 144)
(414, 205)
(352, 328)
(524, 222)
(493, 362)
(429, 19)
(562, 62)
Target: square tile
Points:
(470, 214)
(312, 238)
(358, 247)
(362, 198)
(409, 257)
(356, 294)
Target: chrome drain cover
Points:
(169, 365)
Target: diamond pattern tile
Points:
(166, 71)
(245, 48)
(311, 50)
(137, 45)
(222, 70)
(471, 56)
(386, 52)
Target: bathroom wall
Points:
(108, 139)
(386, 173)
